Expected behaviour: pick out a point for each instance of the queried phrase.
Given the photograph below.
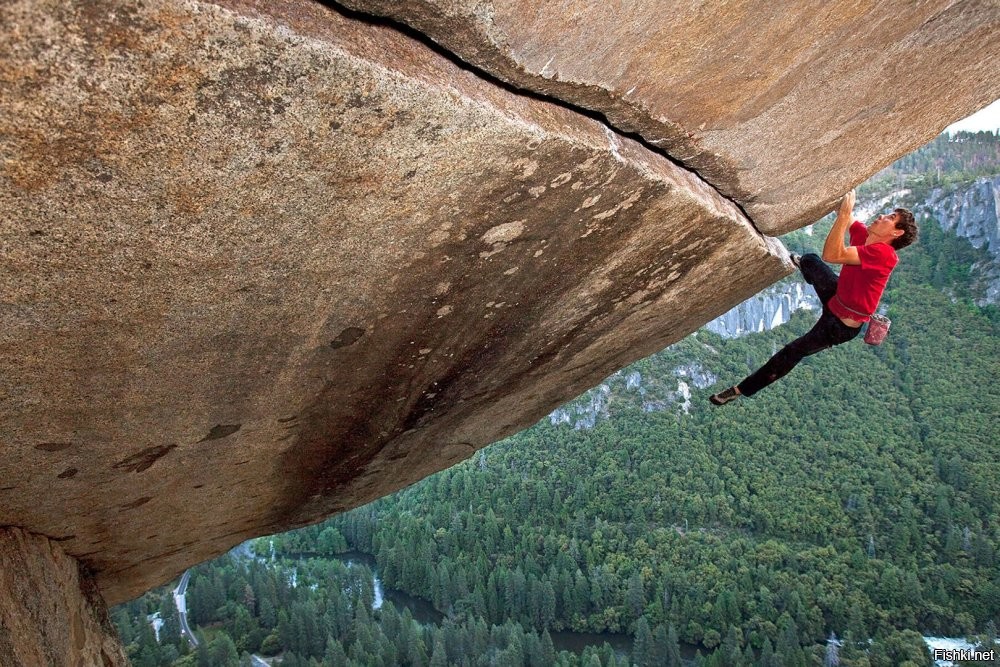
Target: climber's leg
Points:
(827, 332)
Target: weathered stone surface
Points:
(50, 612)
(972, 213)
(258, 268)
(783, 106)
(766, 310)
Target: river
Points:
(424, 613)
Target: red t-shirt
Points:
(860, 287)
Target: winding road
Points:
(181, 602)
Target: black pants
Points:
(827, 332)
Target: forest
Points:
(831, 520)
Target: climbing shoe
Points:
(725, 396)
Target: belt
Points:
(846, 307)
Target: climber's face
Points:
(885, 225)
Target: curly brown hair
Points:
(907, 223)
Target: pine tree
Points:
(732, 655)
(548, 648)
(789, 648)
(767, 657)
(673, 654)
(439, 657)
(635, 597)
(223, 651)
(202, 656)
(334, 655)
(643, 652)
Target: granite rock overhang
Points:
(261, 264)
(782, 106)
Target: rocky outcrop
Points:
(584, 412)
(262, 267)
(973, 213)
(782, 106)
(263, 262)
(625, 390)
(970, 212)
(766, 310)
(50, 612)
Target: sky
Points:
(987, 119)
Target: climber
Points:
(848, 301)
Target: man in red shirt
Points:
(848, 301)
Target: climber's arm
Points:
(834, 250)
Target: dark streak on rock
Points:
(54, 446)
(341, 434)
(144, 459)
(235, 532)
(285, 420)
(64, 538)
(348, 336)
(136, 503)
(220, 431)
(68, 473)
(172, 552)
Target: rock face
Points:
(766, 310)
(672, 391)
(782, 106)
(973, 213)
(259, 268)
(262, 262)
(50, 612)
